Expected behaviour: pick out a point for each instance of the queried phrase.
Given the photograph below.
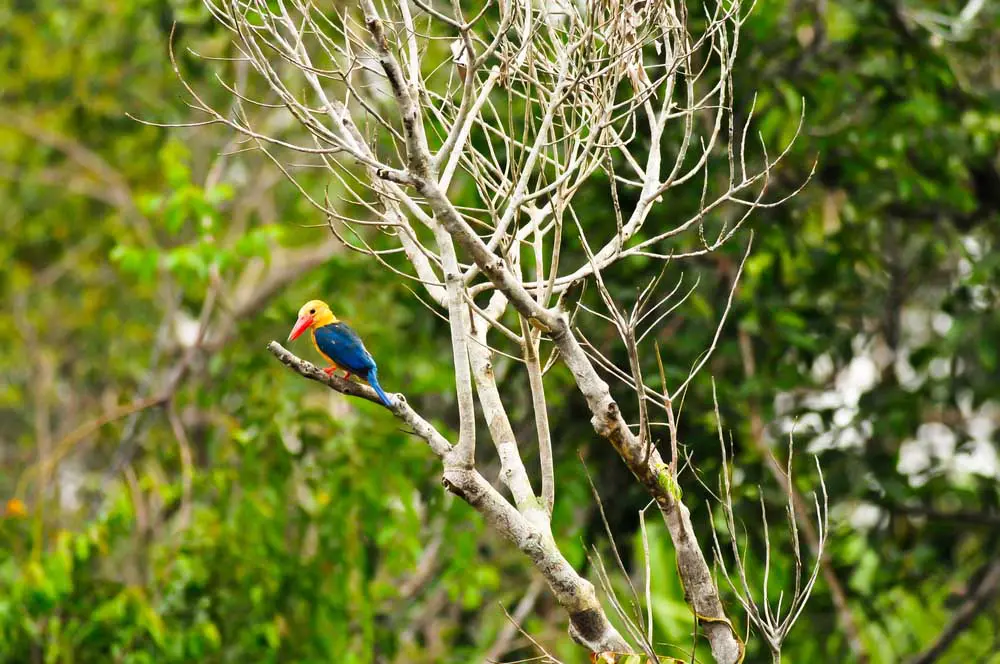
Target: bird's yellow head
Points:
(313, 314)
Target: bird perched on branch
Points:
(339, 344)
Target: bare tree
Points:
(769, 621)
(523, 103)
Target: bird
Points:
(339, 344)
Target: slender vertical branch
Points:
(417, 153)
(529, 350)
(512, 471)
(773, 625)
(458, 320)
(837, 593)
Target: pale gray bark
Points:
(648, 468)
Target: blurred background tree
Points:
(189, 500)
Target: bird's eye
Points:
(312, 311)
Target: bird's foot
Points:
(329, 371)
(347, 375)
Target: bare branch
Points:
(576, 595)
(506, 636)
(978, 600)
(770, 623)
(458, 319)
(529, 351)
(400, 408)
(837, 592)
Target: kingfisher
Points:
(339, 344)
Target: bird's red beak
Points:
(301, 325)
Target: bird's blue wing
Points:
(344, 347)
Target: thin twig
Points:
(978, 600)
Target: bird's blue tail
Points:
(373, 381)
